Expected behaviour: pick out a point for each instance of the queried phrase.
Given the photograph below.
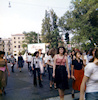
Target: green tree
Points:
(30, 37)
(50, 31)
(82, 21)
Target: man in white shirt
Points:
(29, 60)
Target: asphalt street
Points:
(20, 87)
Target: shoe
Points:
(73, 95)
(41, 85)
(55, 87)
(4, 92)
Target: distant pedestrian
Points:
(50, 62)
(60, 73)
(77, 72)
(90, 79)
(35, 64)
(12, 62)
(3, 73)
(20, 62)
(41, 64)
(28, 60)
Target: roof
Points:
(18, 35)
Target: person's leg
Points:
(73, 94)
(38, 71)
(61, 94)
(34, 78)
(51, 84)
(13, 68)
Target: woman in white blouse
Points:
(90, 80)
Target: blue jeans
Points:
(91, 96)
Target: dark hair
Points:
(36, 53)
(2, 52)
(77, 52)
(96, 53)
(91, 52)
(63, 49)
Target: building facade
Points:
(6, 45)
(17, 40)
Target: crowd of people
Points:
(81, 67)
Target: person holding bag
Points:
(3, 73)
(35, 64)
(60, 73)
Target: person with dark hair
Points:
(3, 73)
(90, 79)
(77, 72)
(60, 73)
(91, 54)
(20, 62)
(35, 64)
(73, 55)
(50, 62)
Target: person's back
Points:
(91, 71)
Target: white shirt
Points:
(51, 60)
(29, 58)
(85, 57)
(36, 62)
(91, 71)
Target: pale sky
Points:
(27, 15)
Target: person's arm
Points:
(7, 68)
(32, 63)
(82, 89)
(72, 71)
(54, 66)
(67, 67)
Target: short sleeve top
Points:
(91, 71)
(77, 65)
(51, 60)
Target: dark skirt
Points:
(61, 78)
(20, 64)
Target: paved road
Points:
(20, 87)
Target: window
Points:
(3, 45)
(14, 38)
(9, 45)
(14, 41)
(18, 37)
(9, 49)
(22, 37)
(18, 46)
(18, 41)
(14, 46)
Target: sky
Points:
(27, 15)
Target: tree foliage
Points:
(50, 31)
(82, 21)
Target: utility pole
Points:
(38, 37)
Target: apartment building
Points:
(17, 40)
(6, 45)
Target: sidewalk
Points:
(66, 97)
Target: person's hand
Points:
(53, 75)
(68, 76)
(8, 73)
(73, 77)
(32, 68)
